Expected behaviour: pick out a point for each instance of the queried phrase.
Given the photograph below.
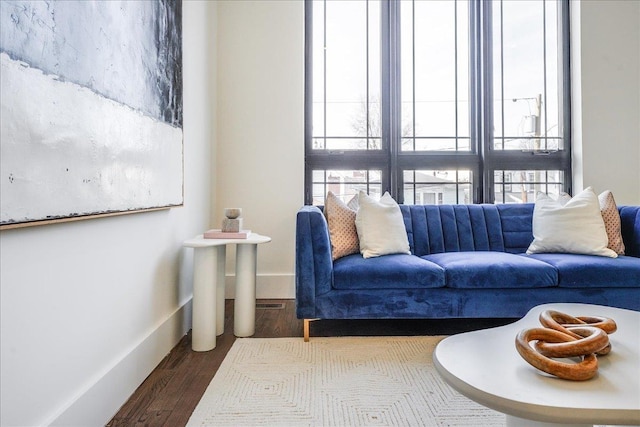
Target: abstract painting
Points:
(91, 108)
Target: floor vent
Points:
(270, 306)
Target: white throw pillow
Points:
(380, 226)
(610, 216)
(575, 227)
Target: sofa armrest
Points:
(314, 266)
(630, 221)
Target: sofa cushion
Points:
(589, 271)
(490, 269)
(398, 271)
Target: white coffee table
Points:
(209, 283)
(486, 367)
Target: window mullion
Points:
(308, 105)
(566, 94)
(544, 72)
(487, 98)
(367, 100)
(413, 75)
(391, 93)
(324, 76)
(481, 88)
(455, 67)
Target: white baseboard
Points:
(100, 401)
(268, 286)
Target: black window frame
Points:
(482, 159)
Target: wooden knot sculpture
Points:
(566, 336)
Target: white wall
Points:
(260, 105)
(606, 88)
(89, 308)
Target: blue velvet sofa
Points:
(465, 261)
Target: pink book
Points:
(216, 233)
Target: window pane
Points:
(436, 187)
(434, 79)
(521, 186)
(319, 194)
(526, 75)
(352, 143)
(406, 70)
(346, 73)
(318, 71)
(346, 66)
(523, 67)
(552, 114)
(434, 73)
(496, 72)
(462, 69)
(436, 144)
(374, 97)
(345, 183)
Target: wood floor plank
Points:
(152, 419)
(167, 398)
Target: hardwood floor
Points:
(171, 392)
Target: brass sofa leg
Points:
(306, 329)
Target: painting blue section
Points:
(127, 51)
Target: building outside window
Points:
(451, 101)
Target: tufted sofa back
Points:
(485, 227)
(630, 223)
(434, 229)
(455, 228)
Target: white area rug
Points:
(339, 381)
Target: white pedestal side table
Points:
(485, 366)
(209, 283)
